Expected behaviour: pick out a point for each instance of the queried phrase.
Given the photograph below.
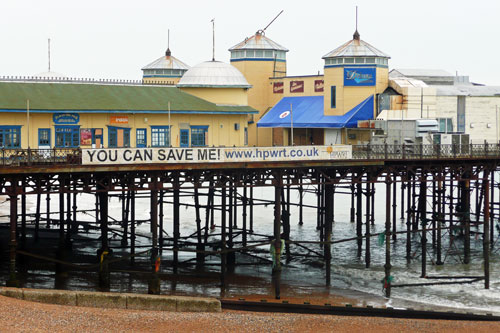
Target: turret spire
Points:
(356, 33)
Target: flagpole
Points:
(291, 121)
(28, 120)
(169, 127)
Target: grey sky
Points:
(114, 39)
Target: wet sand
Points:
(23, 316)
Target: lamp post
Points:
(291, 121)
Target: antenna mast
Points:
(274, 19)
(49, 54)
(213, 39)
(356, 33)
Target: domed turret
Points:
(166, 69)
(216, 82)
(213, 74)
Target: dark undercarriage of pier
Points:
(462, 189)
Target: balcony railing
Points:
(73, 156)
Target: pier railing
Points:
(73, 156)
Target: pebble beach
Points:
(24, 316)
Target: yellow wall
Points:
(257, 74)
(229, 96)
(349, 97)
(221, 128)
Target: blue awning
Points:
(308, 113)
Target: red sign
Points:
(278, 87)
(85, 137)
(319, 85)
(296, 86)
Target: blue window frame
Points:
(118, 137)
(44, 137)
(141, 139)
(67, 136)
(184, 134)
(199, 136)
(10, 136)
(334, 97)
(160, 136)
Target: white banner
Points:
(215, 155)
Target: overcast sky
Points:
(115, 39)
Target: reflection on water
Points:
(302, 275)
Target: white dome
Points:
(50, 75)
(214, 74)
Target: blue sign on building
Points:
(359, 77)
(66, 118)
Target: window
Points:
(259, 54)
(160, 136)
(370, 60)
(445, 125)
(349, 60)
(250, 53)
(360, 60)
(184, 134)
(199, 136)
(10, 136)
(334, 97)
(268, 54)
(118, 137)
(44, 137)
(246, 137)
(141, 137)
(340, 60)
(67, 136)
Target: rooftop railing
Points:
(64, 79)
(73, 156)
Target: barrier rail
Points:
(73, 156)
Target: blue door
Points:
(141, 137)
(184, 138)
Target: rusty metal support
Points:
(387, 266)
(486, 235)
(244, 216)
(408, 218)
(13, 281)
(423, 218)
(104, 252)
(176, 221)
(160, 219)
(328, 230)
(47, 207)
(440, 218)
(132, 227)
(353, 211)
(251, 209)
(394, 207)
(231, 256)
(359, 217)
(199, 246)
(492, 208)
(154, 280)
(367, 222)
(276, 271)
(23, 215)
(223, 234)
(301, 206)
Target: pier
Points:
(446, 193)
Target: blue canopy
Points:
(308, 113)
